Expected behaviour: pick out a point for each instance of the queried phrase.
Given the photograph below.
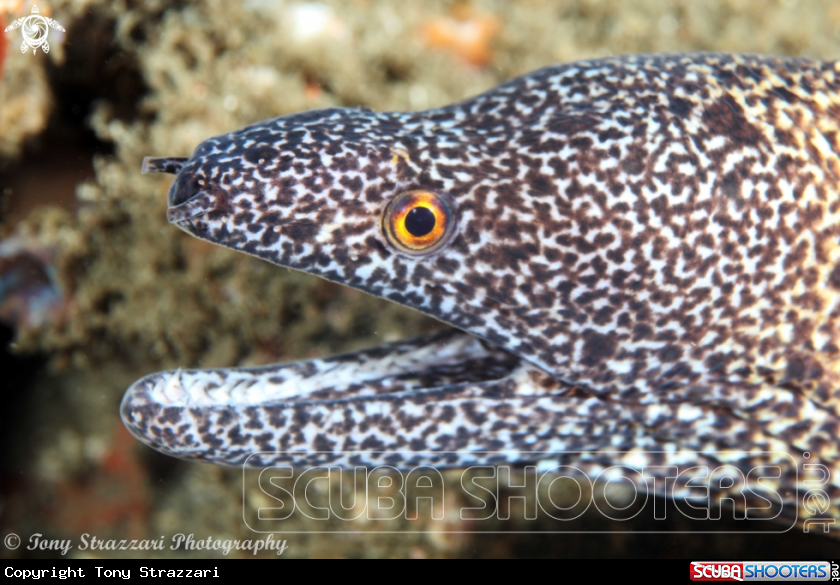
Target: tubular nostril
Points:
(163, 164)
(187, 184)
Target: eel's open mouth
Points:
(446, 358)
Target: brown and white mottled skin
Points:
(645, 258)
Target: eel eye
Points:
(419, 222)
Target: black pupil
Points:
(420, 221)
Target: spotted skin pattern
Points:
(645, 259)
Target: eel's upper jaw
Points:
(202, 203)
(181, 208)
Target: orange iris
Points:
(418, 222)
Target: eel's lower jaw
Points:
(207, 414)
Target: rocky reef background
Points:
(96, 289)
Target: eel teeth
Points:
(163, 164)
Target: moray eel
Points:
(638, 256)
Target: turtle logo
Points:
(35, 31)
